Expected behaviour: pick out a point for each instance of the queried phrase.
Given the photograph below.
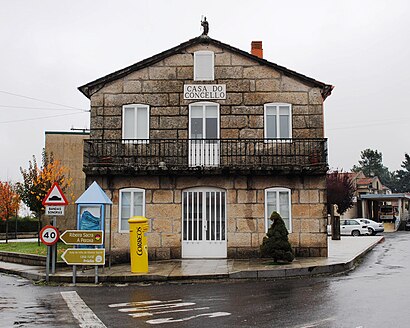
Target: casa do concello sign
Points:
(205, 91)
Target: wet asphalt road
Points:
(376, 294)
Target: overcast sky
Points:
(49, 48)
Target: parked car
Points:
(407, 227)
(351, 227)
(373, 226)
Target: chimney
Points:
(256, 49)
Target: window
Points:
(132, 203)
(203, 66)
(279, 200)
(135, 122)
(278, 121)
(204, 120)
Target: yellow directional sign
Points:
(87, 256)
(82, 237)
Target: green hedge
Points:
(26, 224)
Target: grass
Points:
(32, 248)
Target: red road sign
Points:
(55, 196)
(49, 235)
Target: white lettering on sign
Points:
(55, 210)
(204, 91)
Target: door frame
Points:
(205, 248)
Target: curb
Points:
(238, 275)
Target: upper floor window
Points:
(135, 122)
(203, 66)
(278, 121)
(132, 203)
(278, 200)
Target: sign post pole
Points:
(48, 264)
(49, 236)
(54, 201)
(54, 250)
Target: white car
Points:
(373, 226)
(351, 227)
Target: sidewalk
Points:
(342, 257)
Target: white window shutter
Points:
(203, 66)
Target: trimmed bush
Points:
(276, 243)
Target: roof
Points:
(90, 88)
(382, 197)
(94, 195)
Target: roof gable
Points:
(90, 88)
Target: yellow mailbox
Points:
(138, 244)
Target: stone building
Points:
(206, 140)
(67, 147)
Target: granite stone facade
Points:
(250, 83)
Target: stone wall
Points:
(249, 86)
(245, 198)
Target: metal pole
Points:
(74, 273)
(96, 274)
(47, 263)
(54, 250)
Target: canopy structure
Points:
(371, 204)
(94, 195)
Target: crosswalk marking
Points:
(81, 312)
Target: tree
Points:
(340, 192)
(276, 245)
(9, 203)
(37, 181)
(403, 176)
(371, 164)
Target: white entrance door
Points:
(204, 134)
(204, 223)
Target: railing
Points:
(187, 154)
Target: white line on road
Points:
(156, 307)
(172, 320)
(81, 312)
(147, 314)
(143, 303)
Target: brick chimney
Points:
(256, 49)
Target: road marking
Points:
(156, 307)
(81, 312)
(147, 314)
(172, 320)
(143, 303)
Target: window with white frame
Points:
(135, 122)
(203, 66)
(278, 121)
(278, 200)
(132, 203)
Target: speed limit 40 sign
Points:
(49, 235)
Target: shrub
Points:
(276, 244)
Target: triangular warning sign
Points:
(55, 196)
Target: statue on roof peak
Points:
(205, 25)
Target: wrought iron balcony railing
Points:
(119, 155)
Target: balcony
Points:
(205, 156)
